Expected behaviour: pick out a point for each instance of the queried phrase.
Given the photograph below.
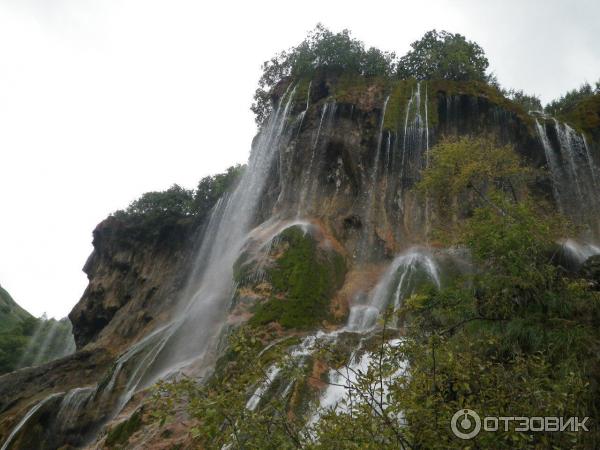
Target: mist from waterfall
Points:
(51, 339)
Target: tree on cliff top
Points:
(441, 55)
(320, 49)
(572, 98)
(444, 55)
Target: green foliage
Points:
(303, 283)
(571, 98)
(320, 50)
(584, 115)
(22, 335)
(34, 341)
(526, 101)
(11, 313)
(12, 347)
(157, 208)
(444, 55)
(517, 335)
(119, 435)
(218, 405)
(466, 173)
(211, 188)
(174, 201)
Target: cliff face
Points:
(135, 274)
(134, 278)
(354, 153)
(326, 203)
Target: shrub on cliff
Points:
(175, 203)
(526, 101)
(571, 99)
(211, 188)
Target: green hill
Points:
(11, 314)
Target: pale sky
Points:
(101, 101)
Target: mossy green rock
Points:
(304, 279)
(120, 434)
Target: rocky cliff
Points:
(325, 206)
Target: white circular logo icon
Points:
(465, 424)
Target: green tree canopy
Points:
(444, 55)
(178, 202)
(321, 49)
(528, 102)
(175, 200)
(212, 187)
(571, 98)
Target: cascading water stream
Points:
(368, 235)
(579, 252)
(71, 404)
(553, 164)
(26, 418)
(572, 170)
(590, 160)
(192, 334)
(415, 141)
(303, 113)
(342, 382)
(309, 175)
(257, 396)
(398, 282)
(567, 151)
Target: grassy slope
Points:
(10, 312)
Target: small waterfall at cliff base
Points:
(27, 417)
(572, 171)
(407, 272)
(189, 339)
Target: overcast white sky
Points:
(101, 101)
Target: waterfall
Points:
(342, 382)
(309, 175)
(303, 113)
(415, 141)
(257, 396)
(427, 199)
(51, 340)
(398, 282)
(72, 404)
(572, 171)
(567, 153)
(299, 354)
(28, 416)
(579, 252)
(368, 236)
(192, 335)
(590, 160)
(553, 165)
